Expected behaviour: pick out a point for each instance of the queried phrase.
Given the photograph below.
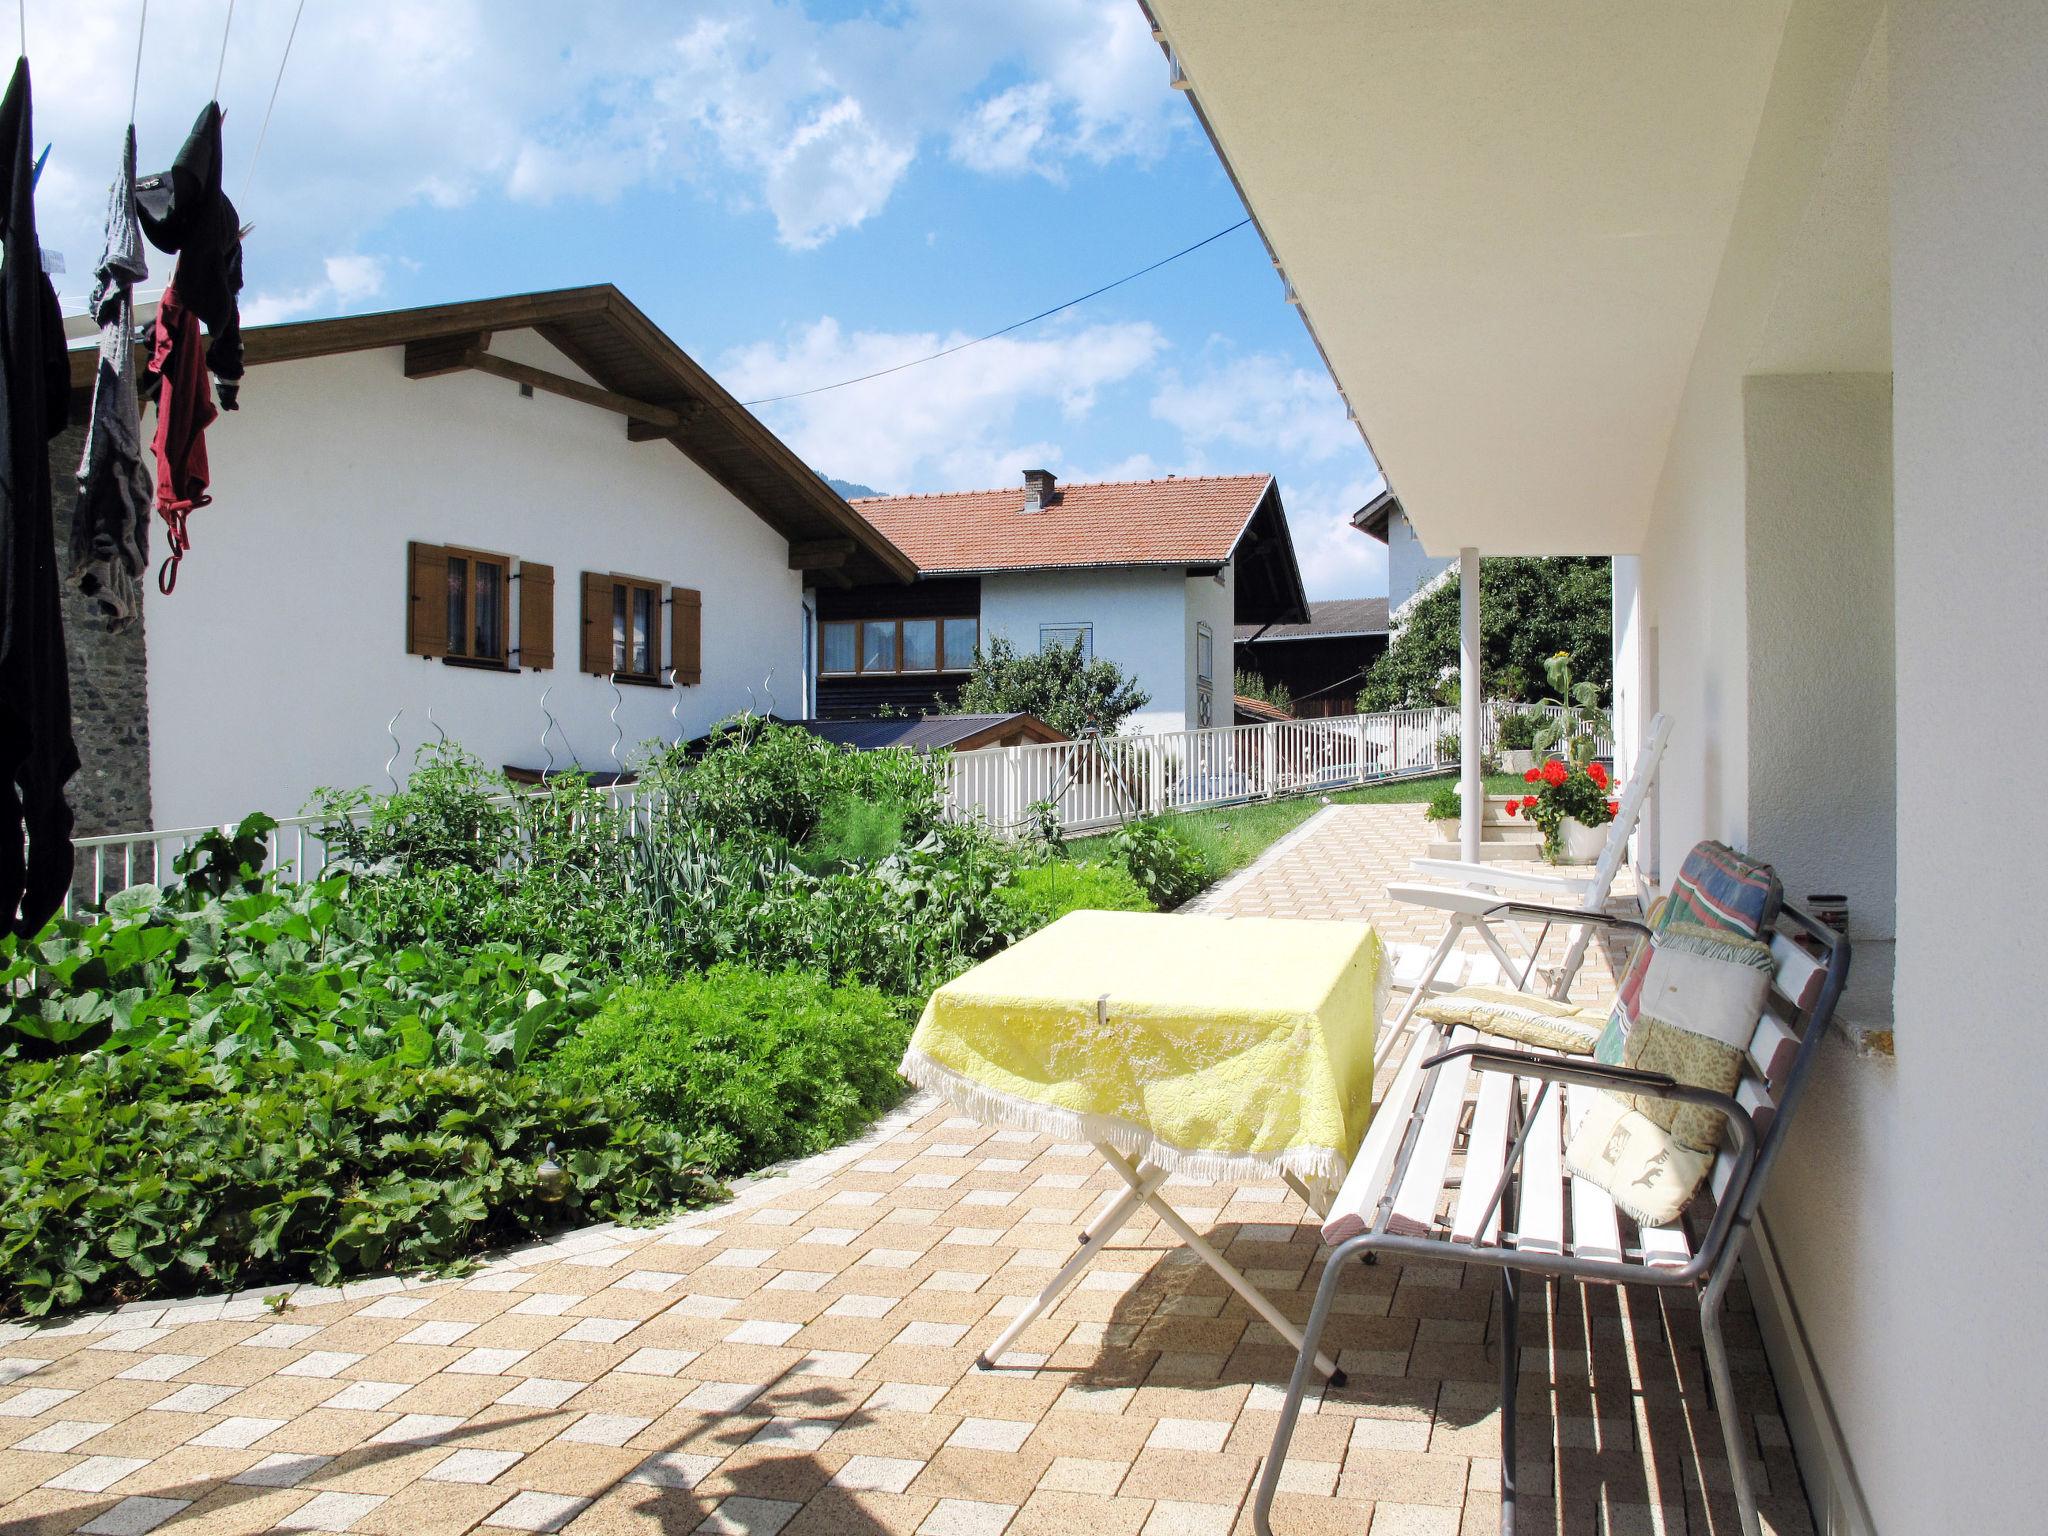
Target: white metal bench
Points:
(1464, 1163)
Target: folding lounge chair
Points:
(1464, 1164)
(1473, 902)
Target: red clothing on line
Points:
(184, 410)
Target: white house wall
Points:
(1141, 623)
(276, 664)
(1969, 222)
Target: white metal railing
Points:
(1090, 785)
(294, 848)
(1102, 782)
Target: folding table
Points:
(1218, 1048)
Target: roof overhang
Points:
(1267, 588)
(1373, 517)
(633, 361)
(1504, 223)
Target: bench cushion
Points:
(1687, 1009)
(1519, 1016)
(1717, 889)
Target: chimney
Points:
(1041, 490)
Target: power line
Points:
(1043, 314)
(264, 132)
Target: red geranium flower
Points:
(1528, 802)
(1531, 776)
(1597, 774)
(1614, 807)
(1514, 806)
(1555, 772)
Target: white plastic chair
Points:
(1476, 893)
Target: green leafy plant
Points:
(1059, 684)
(157, 1173)
(1583, 723)
(1166, 866)
(853, 832)
(1446, 804)
(1044, 892)
(1518, 727)
(1529, 609)
(759, 1067)
(1251, 685)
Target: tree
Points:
(1058, 684)
(1529, 610)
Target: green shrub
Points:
(1446, 804)
(778, 780)
(1044, 892)
(1168, 868)
(853, 832)
(1059, 684)
(463, 857)
(1518, 729)
(757, 1067)
(292, 971)
(149, 1173)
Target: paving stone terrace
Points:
(802, 1362)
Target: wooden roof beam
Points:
(820, 554)
(429, 357)
(573, 389)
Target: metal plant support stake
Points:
(397, 746)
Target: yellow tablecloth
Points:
(1222, 1048)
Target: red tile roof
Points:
(1195, 520)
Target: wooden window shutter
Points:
(686, 635)
(426, 599)
(597, 623)
(536, 615)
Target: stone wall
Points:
(109, 680)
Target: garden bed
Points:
(495, 1015)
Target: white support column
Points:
(1471, 786)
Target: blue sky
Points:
(796, 192)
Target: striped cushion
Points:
(1716, 889)
(1687, 1009)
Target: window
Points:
(1066, 636)
(836, 648)
(461, 608)
(1205, 654)
(622, 624)
(878, 646)
(476, 606)
(961, 638)
(920, 645)
(636, 610)
(897, 645)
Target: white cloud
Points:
(1336, 559)
(1259, 410)
(390, 103)
(946, 425)
(347, 283)
(1263, 402)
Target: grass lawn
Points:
(1230, 838)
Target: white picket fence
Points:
(1102, 782)
(1090, 784)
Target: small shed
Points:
(929, 733)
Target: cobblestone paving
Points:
(802, 1362)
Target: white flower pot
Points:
(1582, 844)
(1513, 761)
